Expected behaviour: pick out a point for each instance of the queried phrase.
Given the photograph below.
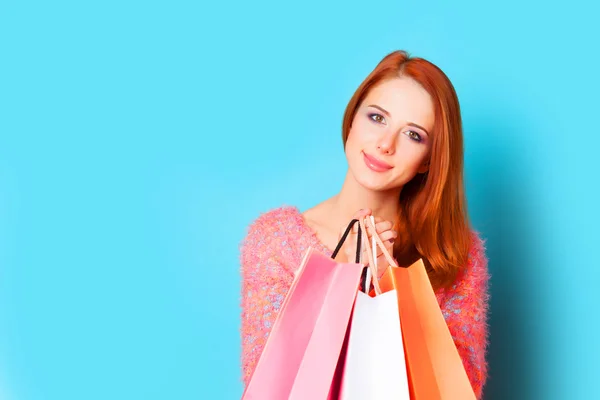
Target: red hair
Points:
(433, 222)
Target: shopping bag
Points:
(301, 354)
(435, 369)
(375, 367)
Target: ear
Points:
(424, 168)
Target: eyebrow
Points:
(408, 123)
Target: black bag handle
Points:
(344, 236)
(363, 279)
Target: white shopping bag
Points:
(375, 368)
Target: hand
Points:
(384, 230)
(387, 235)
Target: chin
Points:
(376, 186)
(370, 181)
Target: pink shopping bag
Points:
(301, 355)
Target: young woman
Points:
(402, 136)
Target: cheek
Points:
(353, 139)
(362, 127)
(354, 145)
(411, 155)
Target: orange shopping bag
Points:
(435, 369)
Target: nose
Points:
(386, 144)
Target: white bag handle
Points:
(368, 275)
(373, 261)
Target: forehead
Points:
(404, 99)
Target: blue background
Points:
(139, 139)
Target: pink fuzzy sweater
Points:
(273, 250)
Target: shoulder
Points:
(273, 245)
(269, 233)
(272, 224)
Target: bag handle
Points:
(372, 260)
(343, 239)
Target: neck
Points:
(353, 197)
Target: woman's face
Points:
(389, 141)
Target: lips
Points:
(375, 164)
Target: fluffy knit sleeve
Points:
(267, 273)
(465, 308)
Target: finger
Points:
(388, 238)
(380, 252)
(388, 235)
(383, 226)
(389, 246)
(360, 214)
(377, 229)
(381, 256)
(384, 236)
(369, 230)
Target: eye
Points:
(377, 118)
(414, 136)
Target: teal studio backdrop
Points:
(139, 139)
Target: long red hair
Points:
(433, 221)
